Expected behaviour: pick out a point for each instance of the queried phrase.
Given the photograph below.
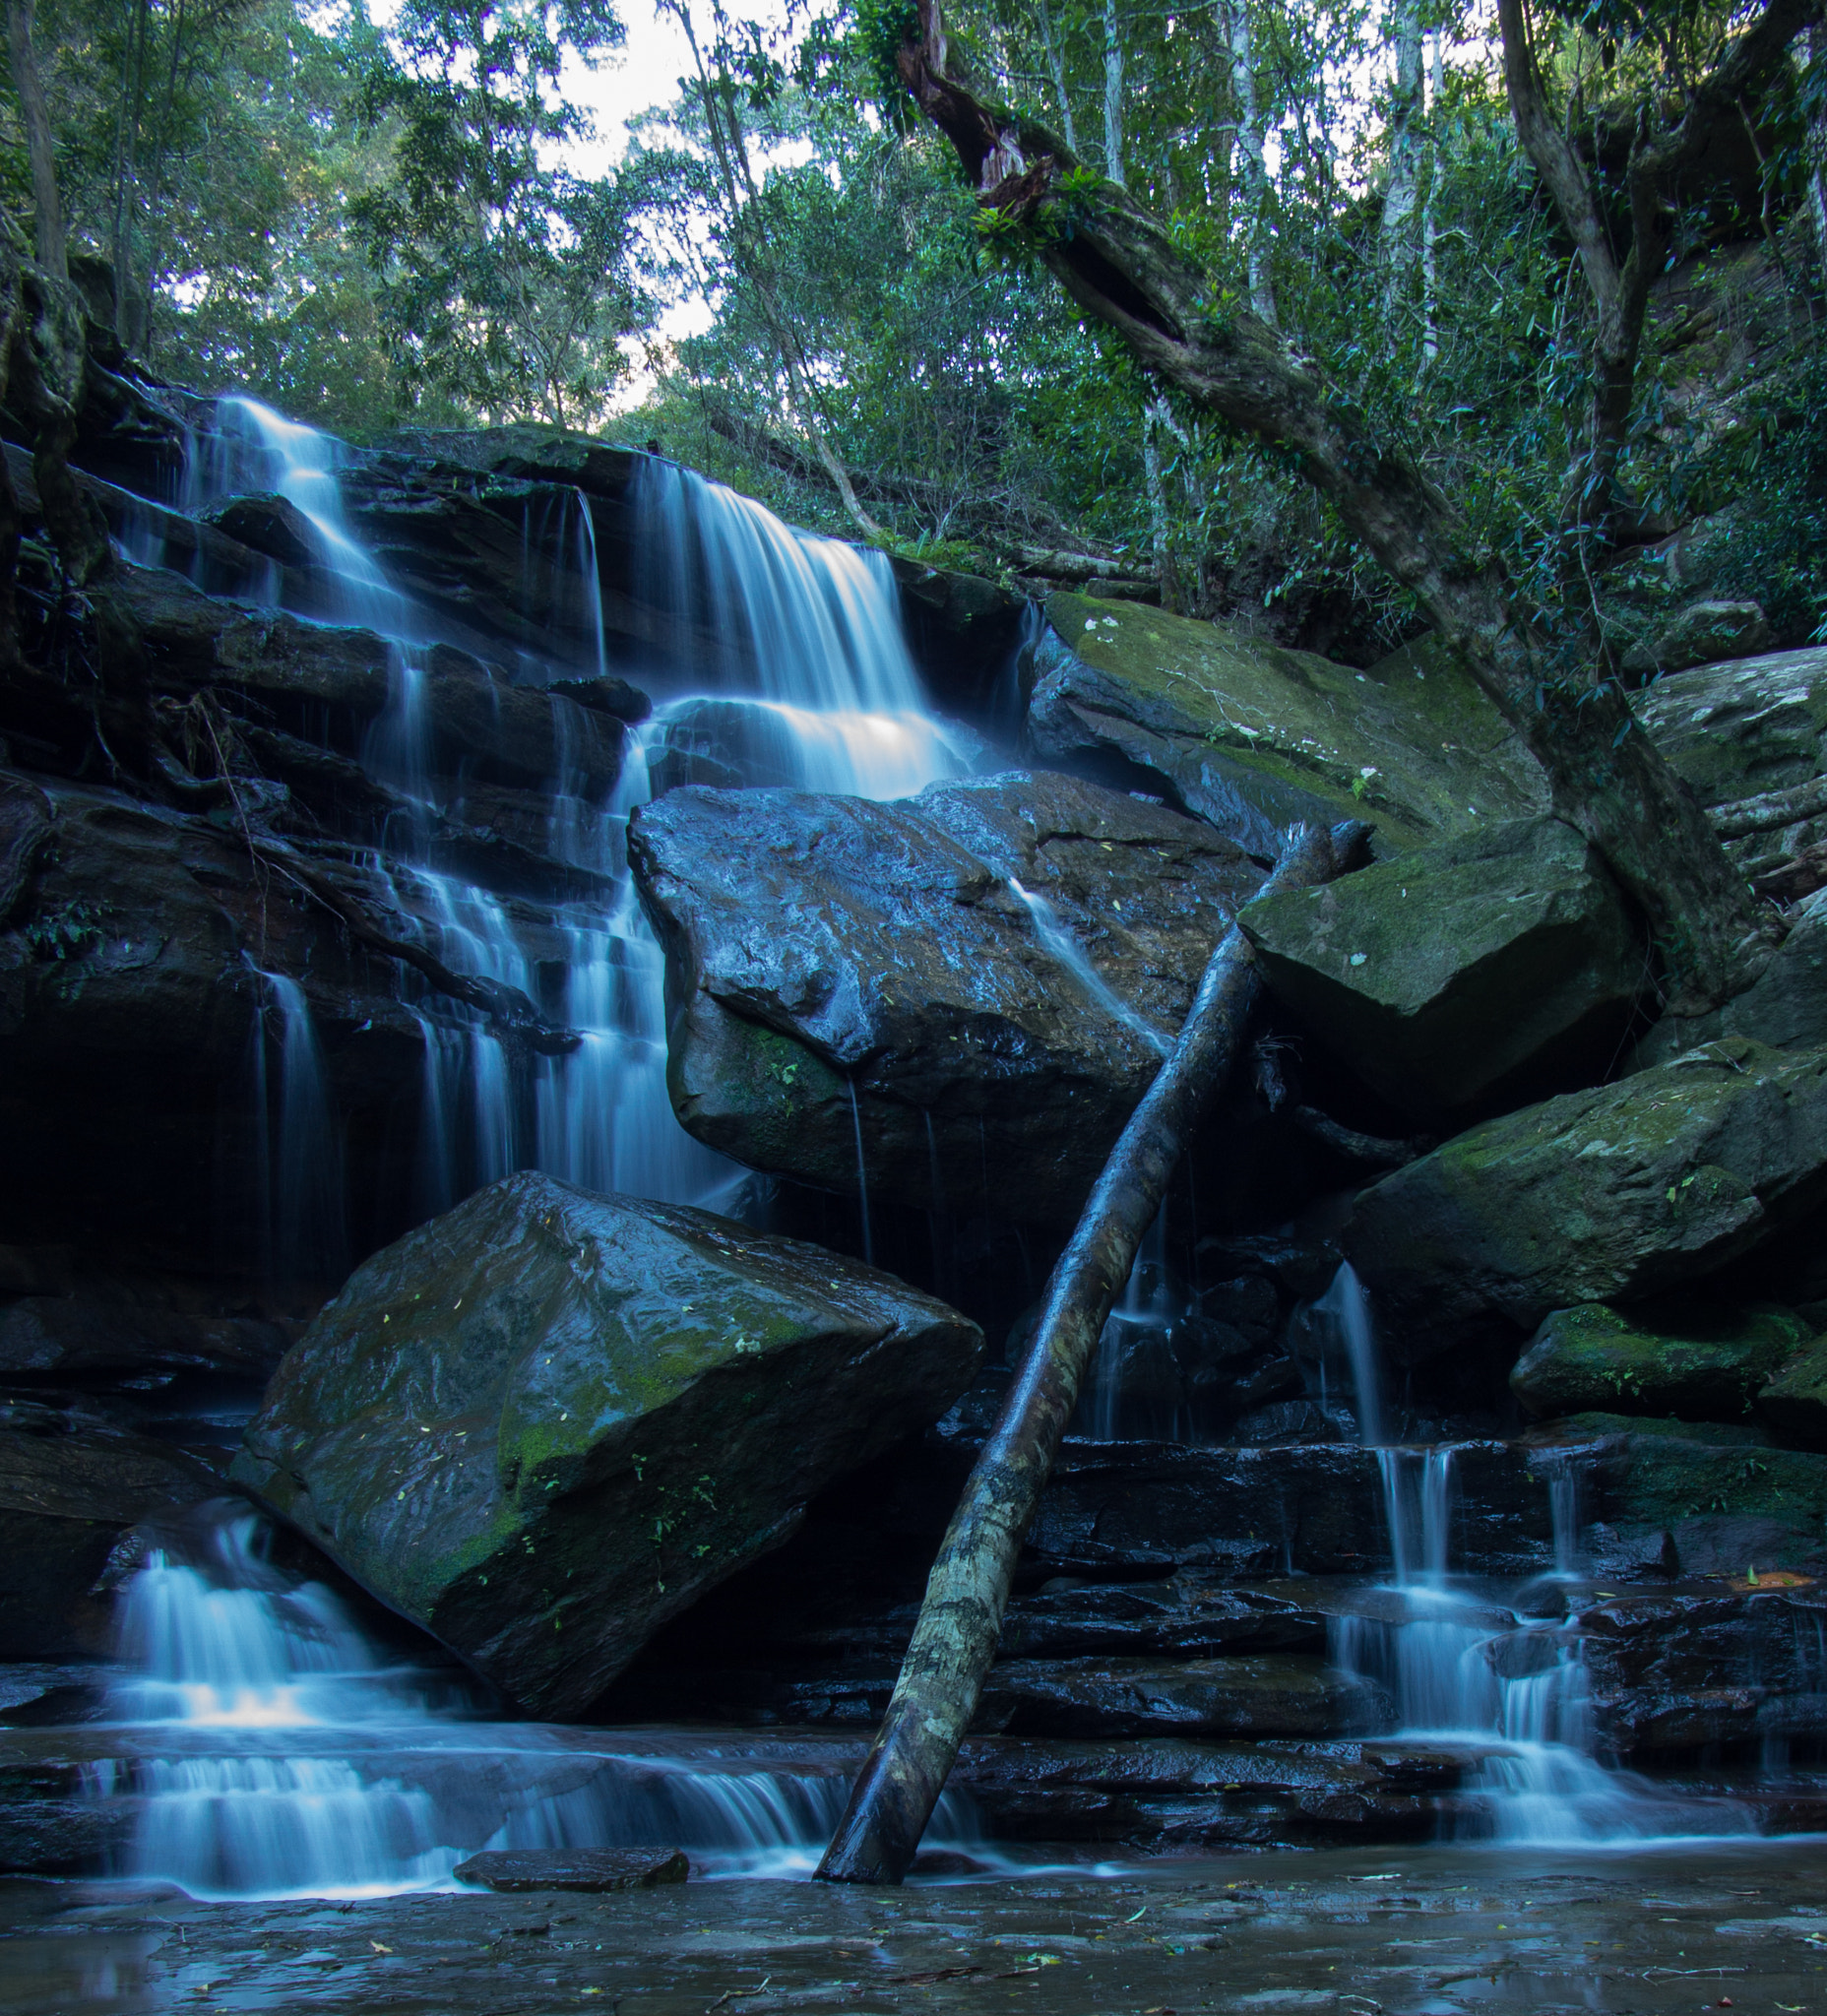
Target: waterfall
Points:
(1454, 1667)
(273, 1751)
(783, 662)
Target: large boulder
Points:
(1705, 1366)
(1501, 959)
(1610, 1194)
(1703, 633)
(1749, 725)
(1795, 1401)
(545, 1422)
(1251, 737)
(855, 980)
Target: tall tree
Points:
(1400, 249)
(41, 144)
(1540, 661)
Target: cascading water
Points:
(1461, 1665)
(272, 1750)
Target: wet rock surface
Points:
(580, 1868)
(1592, 1357)
(1466, 973)
(1413, 1931)
(1623, 1191)
(72, 1482)
(1252, 736)
(846, 976)
(545, 1422)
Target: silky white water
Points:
(272, 1750)
(1455, 1670)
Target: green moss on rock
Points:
(1596, 1357)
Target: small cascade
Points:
(304, 1227)
(1066, 949)
(1460, 1663)
(1137, 1391)
(273, 1750)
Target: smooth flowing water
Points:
(1454, 1668)
(270, 1748)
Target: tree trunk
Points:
(1113, 96)
(1606, 777)
(1437, 165)
(1815, 157)
(1255, 176)
(1398, 247)
(53, 254)
(1057, 69)
(961, 1618)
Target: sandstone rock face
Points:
(543, 1424)
(1785, 1006)
(1252, 736)
(1501, 959)
(1592, 1357)
(1286, 1694)
(1749, 725)
(1689, 1498)
(847, 977)
(1606, 1195)
(1703, 633)
(70, 1484)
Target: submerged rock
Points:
(858, 981)
(1706, 1368)
(1623, 1191)
(1500, 959)
(547, 1422)
(1251, 737)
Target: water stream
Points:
(1455, 1668)
(268, 1747)
(271, 1748)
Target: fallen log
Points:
(954, 1639)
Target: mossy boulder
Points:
(1749, 725)
(1654, 1362)
(545, 1422)
(1503, 959)
(1795, 1401)
(1251, 736)
(954, 998)
(1612, 1194)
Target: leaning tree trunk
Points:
(961, 1620)
(1120, 266)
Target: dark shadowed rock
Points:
(77, 1335)
(545, 1422)
(70, 1486)
(515, 1870)
(1616, 1193)
(1279, 1694)
(839, 968)
(1785, 1006)
(1702, 1364)
(268, 525)
(1794, 1401)
(1686, 1669)
(1445, 978)
(1251, 737)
